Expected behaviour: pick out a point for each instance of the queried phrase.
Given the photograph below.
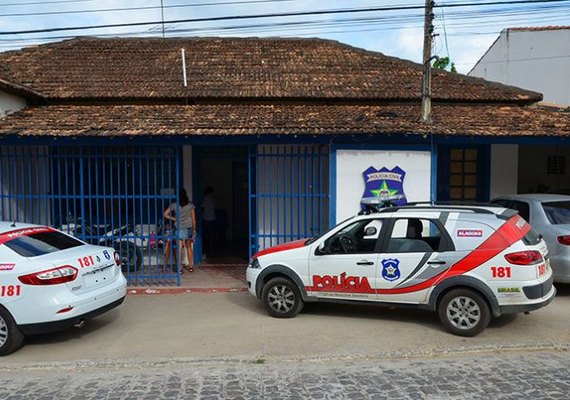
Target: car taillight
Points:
(524, 257)
(565, 239)
(117, 259)
(54, 276)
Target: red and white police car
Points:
(51, 281)
(466, 263)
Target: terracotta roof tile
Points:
(134, 120)
(151, 68)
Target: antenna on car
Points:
(13, 224)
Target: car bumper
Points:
(251, 277)
(48, 327)
(51, 304)
(521, 308)
(561, 269)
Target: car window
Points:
(356, 238)
(411, 235)
(40, 243)
(557, 212)
(523, 209)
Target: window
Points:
(357, 238)
(556, 165)
(557, 212)
(463, 174)
(523, 209)
(41, 243)
(414, 235)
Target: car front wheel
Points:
(11, 337)
(464, 312)
(282, 298)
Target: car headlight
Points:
(254, 264)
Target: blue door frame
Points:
(483, 170)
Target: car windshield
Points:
(557, 212)
(41, 243)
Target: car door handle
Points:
(436, 262)
(364, 262)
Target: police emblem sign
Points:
(384, 185)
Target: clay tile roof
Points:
(151, 68)
(134, 120)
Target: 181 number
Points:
(10, 290)
(501, 272)
(86, 261)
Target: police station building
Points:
(101, 134)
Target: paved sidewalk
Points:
(536, 375)
(234, 326)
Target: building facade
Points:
(291, 134)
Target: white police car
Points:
(51, 281)
(466, 263)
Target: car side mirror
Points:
(370, 231)
(322, 248)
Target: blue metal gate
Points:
(113, 196)
(289, 193)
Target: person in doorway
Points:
(209, 209)
(183, 214)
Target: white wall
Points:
(504, 169)
(534, 60)
(350, 164)
(10, 104)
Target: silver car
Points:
(549, 214)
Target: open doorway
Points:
(222, 190)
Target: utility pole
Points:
(426, 75)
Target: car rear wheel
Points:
(282, 298)
(464, 312)
(11, 337)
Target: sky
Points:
(462, 33)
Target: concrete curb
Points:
(181, 290)
(261, 360)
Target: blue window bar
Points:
(289, 193)
(106, 195)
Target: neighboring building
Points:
(531, 58)
(538, 59)
(285, 130)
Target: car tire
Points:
(282, 298)
(11, 337)
(464, 312)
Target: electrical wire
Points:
(277, 15)
(103, 10)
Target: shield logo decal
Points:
(384, 185)
(390, 269)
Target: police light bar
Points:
(379, 200)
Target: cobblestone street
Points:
(533, 375)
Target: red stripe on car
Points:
(16, 233)
(282, 247)
(509, 233)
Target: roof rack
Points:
(475, 210)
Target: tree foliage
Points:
(444, 63)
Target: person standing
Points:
(183, 213)
(209, 209)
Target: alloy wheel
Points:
(3, 332)
(281, 298)
(463, 313)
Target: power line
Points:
(44, 2)
(102, 10)
(277, 15)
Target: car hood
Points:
(281, 247)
